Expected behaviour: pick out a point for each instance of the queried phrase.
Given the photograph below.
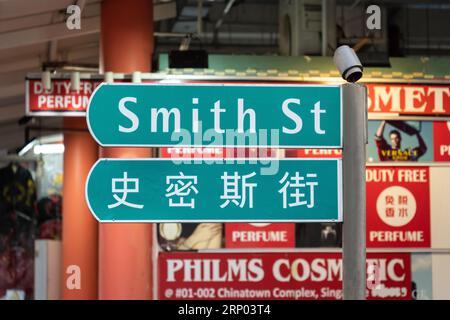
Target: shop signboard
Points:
(215, 190)
(319, 153)
(60, 99)
(408, 99)
(192, 152)
(274, 276)
(398, 207)
(441, 136)
(212, 152)
(215, 115)
(259, 235)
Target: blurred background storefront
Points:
(48, 72)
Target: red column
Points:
(125, 249)
(79, 228)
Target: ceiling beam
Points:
(13, 135)
(13, 140)
(25, 63)
(46, 33)
(12, 113)
(73, 55)
(19, 8)
(34, 62)
(12, 90)
(56, 31)
(25, 22)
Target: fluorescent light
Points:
(27, 148)
(49, 148)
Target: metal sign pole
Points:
(354, 164)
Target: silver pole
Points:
(354, 164)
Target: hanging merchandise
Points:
(49, 217)
(18, 195)
(50, 177)
(17, 221)
(49, 185)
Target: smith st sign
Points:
(216, 115)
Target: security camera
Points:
(348, 64)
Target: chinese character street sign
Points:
(157, 190)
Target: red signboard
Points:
(213, 152)
(441, 137)
(260, 235)
(319, 153)
(408, 99)
(192, 152)
(398, 207)
(60, 99)
(382, 98)
(287, 276)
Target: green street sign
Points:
(215, 190)
(220, 115)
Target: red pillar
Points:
(79, 278)
(125, 249)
